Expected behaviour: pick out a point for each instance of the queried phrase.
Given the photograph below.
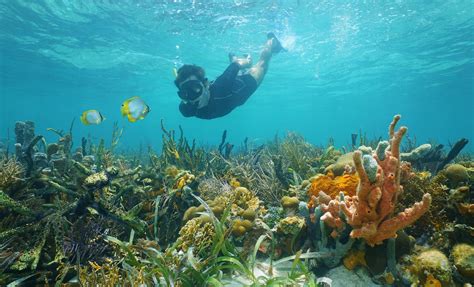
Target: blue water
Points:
(349, 66)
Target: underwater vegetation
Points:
(281, 214)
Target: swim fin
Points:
(276, 47)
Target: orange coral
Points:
(354, 259)
(431, 281)
(370, 212)
(331, 185)
(466, 208)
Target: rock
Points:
(463, 256)
(342, 277)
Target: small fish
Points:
(92, 117)
(135, 109)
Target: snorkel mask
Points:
(191, 89)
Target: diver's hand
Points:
(244, 62)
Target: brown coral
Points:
(197, 233)
(10, 172)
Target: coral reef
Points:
(194, 216)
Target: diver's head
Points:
(191, 82)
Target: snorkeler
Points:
(208, 100)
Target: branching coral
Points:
(212, 187)
(369, 212)
(10, 172)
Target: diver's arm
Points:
(231, 72)
(187, 110)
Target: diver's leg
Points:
(259, 70)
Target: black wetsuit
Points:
(227, 92)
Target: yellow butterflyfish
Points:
(91, 117)
(134, 109)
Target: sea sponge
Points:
(456, 174)
(189, 213)
(247, 224)
(290, 202)
(332, 186)
(291, 225)
(192, 212)
(217, 210)
(249, 214)
(431, 281)
(184, 178)
(432, 261)
(238, 230)
(354, 259)
(463, 256)
(240, 227)
(339, 167)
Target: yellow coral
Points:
(354, 259)
(171, 171)
(289, 202)
(241, 227)
(234, 182)
(389, 278)
(434, 262)
(198, 233)
(249, 214)
(463, 256)
(291, 225)
(185, 179)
